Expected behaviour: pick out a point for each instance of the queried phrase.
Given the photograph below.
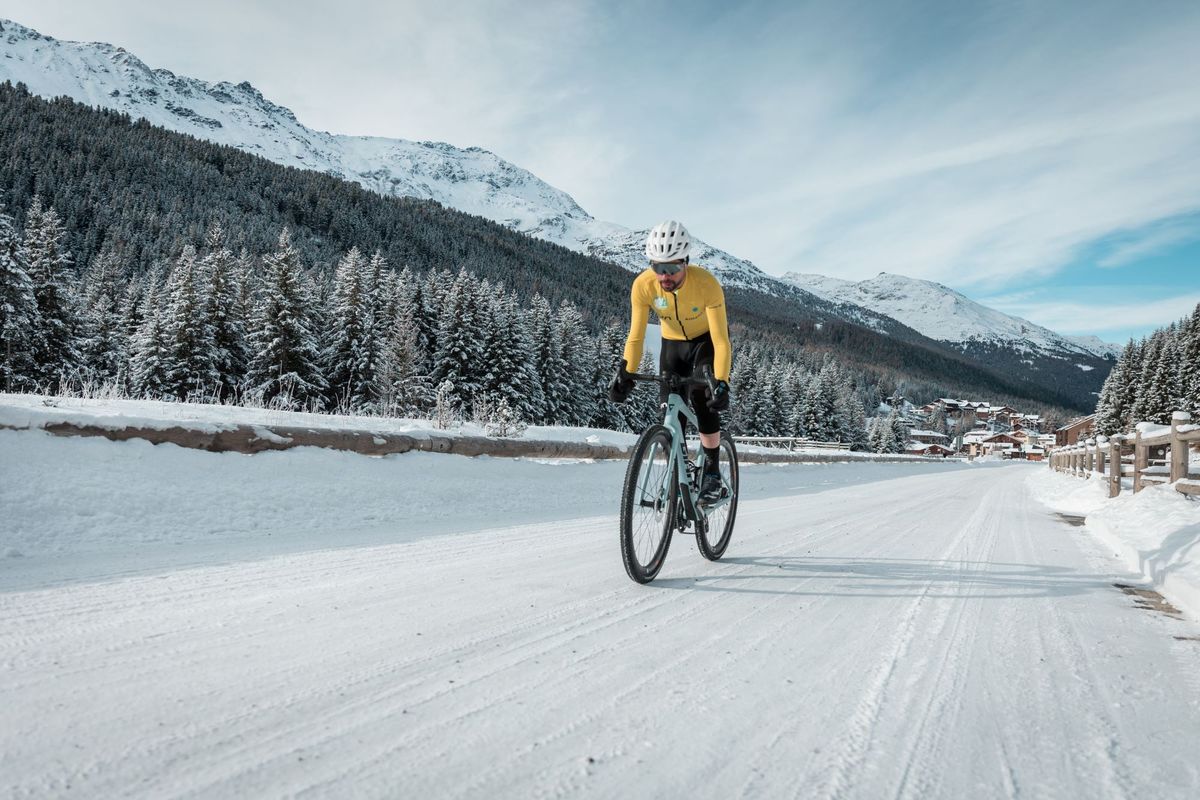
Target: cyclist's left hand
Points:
(720, 397)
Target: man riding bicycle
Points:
(690, 305)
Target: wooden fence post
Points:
(1179, 448)
(1114, 466)
(1089, 458)
(1141, 458)
(1101, 453)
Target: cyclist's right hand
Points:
(621, 386)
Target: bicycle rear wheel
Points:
(714, 533)
(648, 503)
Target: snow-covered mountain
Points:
(479, 182)
(472, 179)
(946, 315)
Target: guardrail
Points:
(1152, 454)
(789, 443)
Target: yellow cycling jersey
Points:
(695, 308)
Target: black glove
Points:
(621, 386)
(720, 397)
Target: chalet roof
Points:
(927, 433)
(1077, 422)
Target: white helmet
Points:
(668, 241)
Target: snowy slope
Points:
(312, 623)
(946, 315)
(472, 180)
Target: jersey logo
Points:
(695, 310)
(660, 302)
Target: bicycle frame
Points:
(677, 466)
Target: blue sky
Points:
(1041, 157)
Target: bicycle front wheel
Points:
(648, 504)
(714, 533)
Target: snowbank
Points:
(237, 429)
(1156, 531)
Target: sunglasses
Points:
(668, 267)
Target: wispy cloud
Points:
(973, 144)
(1109, 319)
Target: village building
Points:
(1074, 431)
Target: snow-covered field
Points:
(182, 623)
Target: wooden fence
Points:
(789, 443)
(1150, 455)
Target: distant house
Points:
(928, 437)
(1001, 444)
(1072, 432)
(916, 448)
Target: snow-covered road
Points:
(915, 632)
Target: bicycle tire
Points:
(647, 521)
(721, 518)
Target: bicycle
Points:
(661, 494)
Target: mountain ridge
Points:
(472, 180)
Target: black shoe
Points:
(710, 487)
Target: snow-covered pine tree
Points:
(508, 357)
(103, 343)
(854, 414)
(937, 419)
(742, 385)
(642, 408)
(821, 418)
(458, 358)
(19, 323)
(350, 353)
(899, 431)
(1150, 398)
(1116, 395)
(405, 388)
(797, 390)
(577, 352)
(548, 362)
(150, 358)
(610, 345)
(50, 268)
(191, 350)
(1189, 365)
(283, 368)
(224, 312)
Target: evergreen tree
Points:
(459, 354)
(1150, 399)
(284, 365)
(104, 343)
(508, 357)
(224, 312)
(577, 351)
(151, 359)
(899, 431)
(191, 348)
(57, 353)
(610, 345)
(642, 408)
(1114, 409)
(350, 354)
(405, 389)
(19, 322)
(1189, 366)
(548, 362)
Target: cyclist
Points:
(690, 305)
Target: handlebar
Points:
(675, 383)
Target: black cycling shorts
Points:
(684, 358)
